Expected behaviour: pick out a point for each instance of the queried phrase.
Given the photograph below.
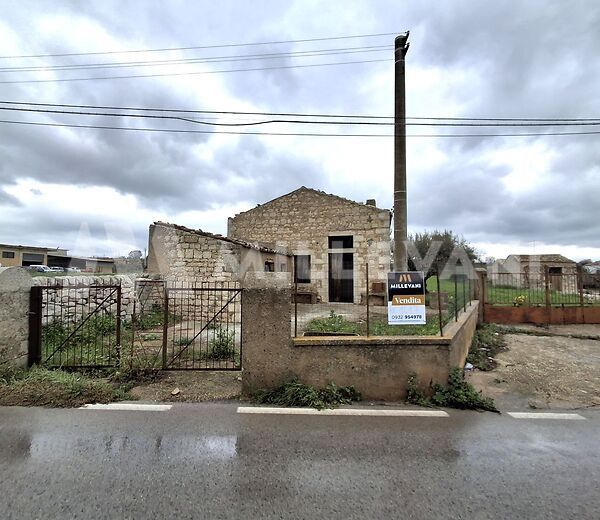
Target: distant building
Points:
(526, 270)
(24, 256)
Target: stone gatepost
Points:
(266, 330)
(15, 287)
(479, 293)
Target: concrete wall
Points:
(302, 221)
(15, 284)
(379, 367)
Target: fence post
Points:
(34, 356)
(580, 285)
(367, 296)
(295, 274)
(165, 328)
(455, 297)
(439, 298)
(464, 295)
(118, 345)
(547, 291)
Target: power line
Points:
(181, 111)
(220, 46)
(192, 73)
(311, 134)
(291, 114)
(296, 121)
(207, 59)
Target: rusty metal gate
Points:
(169, 326)
(202, 326)
(75, 326)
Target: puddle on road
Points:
(46, 446)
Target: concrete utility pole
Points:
(400, 211)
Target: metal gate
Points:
(75, 326)
(202, 326)
(177, 326)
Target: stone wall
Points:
(302, 221)
(15, 285)
(184, 255)
(379, 367)
(72, 299)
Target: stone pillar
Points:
(15, 286)
(266, 330)
(479, 292)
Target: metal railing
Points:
(540, 289)
(446, 299)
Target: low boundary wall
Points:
(379, 367)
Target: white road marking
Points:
(128, 406)
(546, 415)
(341, 411)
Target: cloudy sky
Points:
(95, 191)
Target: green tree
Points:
(443, 250)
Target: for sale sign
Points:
(406, 298)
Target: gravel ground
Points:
(546, 372)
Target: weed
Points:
(333, 323)
(221, 346)
(297, 394)
(487, 342)
(457, 393)
(414, 395)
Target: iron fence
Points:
(544, 289)
(202, 326)
(446, 299)
(174, 325)
(76, 326)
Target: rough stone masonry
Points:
(303, 221)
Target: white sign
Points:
(406, 298)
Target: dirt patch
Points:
(193, 386)
(545, 371)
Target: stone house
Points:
(178, 253)
(331, 238)
(529, 270)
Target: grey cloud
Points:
(535, 58)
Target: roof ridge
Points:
(217, 236)
(314, 190)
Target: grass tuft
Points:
(297, 394)
(56, 388)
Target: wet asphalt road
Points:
(206, 461)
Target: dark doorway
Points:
(555, 278)
(341, 277)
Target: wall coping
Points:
(390, 341)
